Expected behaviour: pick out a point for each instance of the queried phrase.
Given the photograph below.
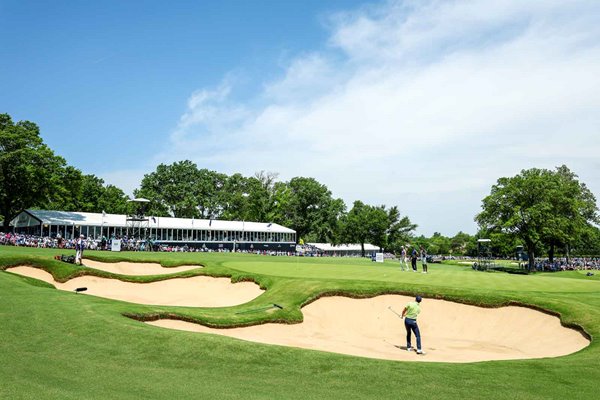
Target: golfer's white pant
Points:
(78, 256)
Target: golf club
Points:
(390, 308)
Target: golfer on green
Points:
(410, 313)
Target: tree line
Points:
(32, 176)
(545, 211)
(183, 190)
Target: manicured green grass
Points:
(59, 345)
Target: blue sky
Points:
(120, 72)
(420, 104)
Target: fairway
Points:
(62, 345)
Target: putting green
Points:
(439, 275)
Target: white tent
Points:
(165, 229)
(344, 249)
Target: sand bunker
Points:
(451, 332)
(128, 268)
(198, 291)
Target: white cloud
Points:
(418, 104)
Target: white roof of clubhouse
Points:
(120, 220)
(343, 247)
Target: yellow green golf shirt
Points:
(412, 310)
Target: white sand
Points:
(451, 332)
(197, 291)
(128, 268)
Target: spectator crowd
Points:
(571, 264)
(127, 244)
(306, 250)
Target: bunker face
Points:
(127, 268)
(451, 332)
(198, 291)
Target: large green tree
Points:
(29, 170)
(502, 244)
(281, 200)
(377, 226)
(112, 200)
(538, 205)
(356, 225)
(233, 198)
(329, 229)
(206, 192)
(439, 244)
(310, 209)
(66, 196)
(463, 244)
(260, 196)
(92, 189)
(588, 244)
(573, 212)
(399, 231)
(178, 190)
(86, 193)
(382, 227)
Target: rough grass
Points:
(61, 345)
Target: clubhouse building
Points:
(206, 233)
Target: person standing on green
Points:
(413, 259)
(424, 259)
(403, 259)
(410, 313)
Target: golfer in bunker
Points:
(410, 313)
